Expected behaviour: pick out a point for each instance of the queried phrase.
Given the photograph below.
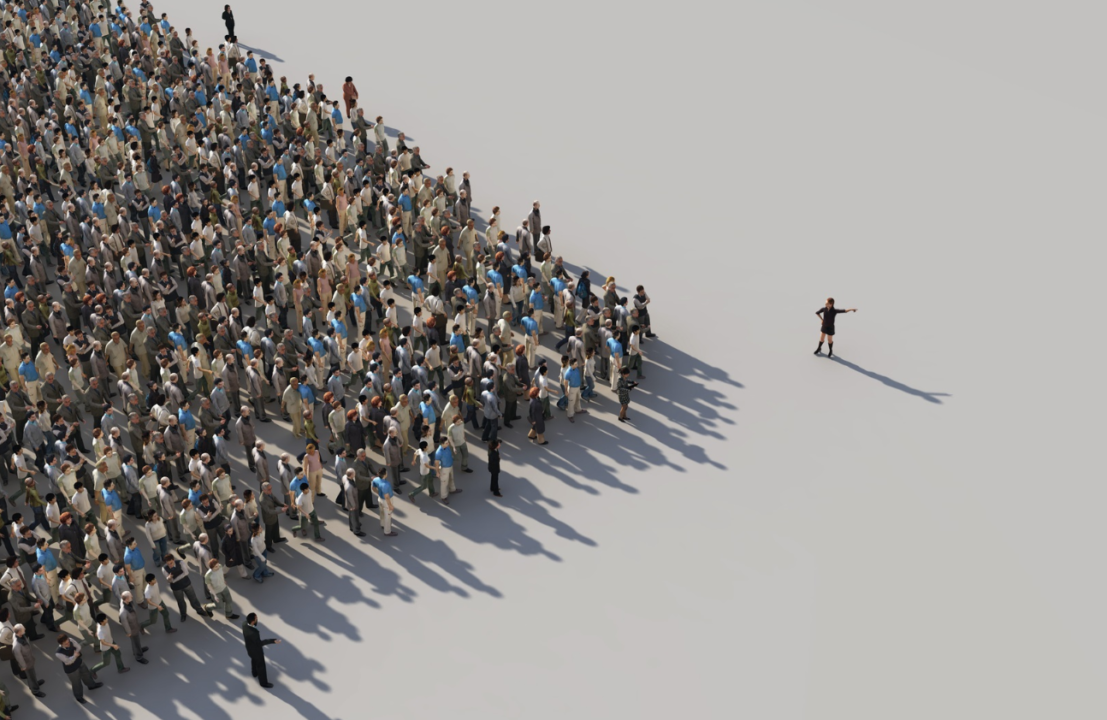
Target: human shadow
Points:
(261, 53)
(420, 555)
(931, 397)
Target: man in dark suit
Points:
(255, 649)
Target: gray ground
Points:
(913, 531)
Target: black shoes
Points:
(359, 534)
(267, 685)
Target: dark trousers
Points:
(189, 593)
(257, 668)
(272, 535)
(78, 676)
(496, 481)
(491, 430)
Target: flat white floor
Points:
(913, 531)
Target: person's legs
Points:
(445, 479)
(822, 339)
(32, 680)
(355, 520)
(496, 482)
(228, 605)
(195, 602)
(136, 647)
(75, 682)
(315, 524)
(272, 535)
(259, 665)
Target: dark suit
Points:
(255, 649)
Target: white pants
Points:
(559, 311)
(616, 365)
(531, 350)
(538, 319)
(34, 390)
(574, 401)
(386, 515)
(446, 482)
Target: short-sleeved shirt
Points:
(133, 557)
(445, 456)
(384, 488)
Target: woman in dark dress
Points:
(355, 434)
(536, 414)
(827, 315)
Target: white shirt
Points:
(305, 503)
(153, 595)
(103, 632)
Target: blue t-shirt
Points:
(445, 456)
(531, 325)
(405, 203)
(111, 499)
(194, 497)
(495, 278)
(519, 271)
(458, 342)
(133, 557)
(27, 371)
(471, 293)
(384, 488)
(536, 300)
(615, 347)
(572, 376)
(46, 559)
(415, 283)
(306, 394)
(427, 409)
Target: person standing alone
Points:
(228, 20)
(255, 648)
(494, 466)
(827, 314)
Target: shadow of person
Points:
(928, 396)
(270, 57)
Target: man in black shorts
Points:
(827, 315)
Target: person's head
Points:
(830, 302)
(252, 619)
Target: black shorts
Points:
(828, 330)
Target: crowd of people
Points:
(191, 246)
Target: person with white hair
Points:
(128, 618)
(25, 657)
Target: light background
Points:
(913, 532)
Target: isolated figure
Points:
(827, 314)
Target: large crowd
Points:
(191, 246)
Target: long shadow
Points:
(928, 396)
(261, 53)
(419, 555)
